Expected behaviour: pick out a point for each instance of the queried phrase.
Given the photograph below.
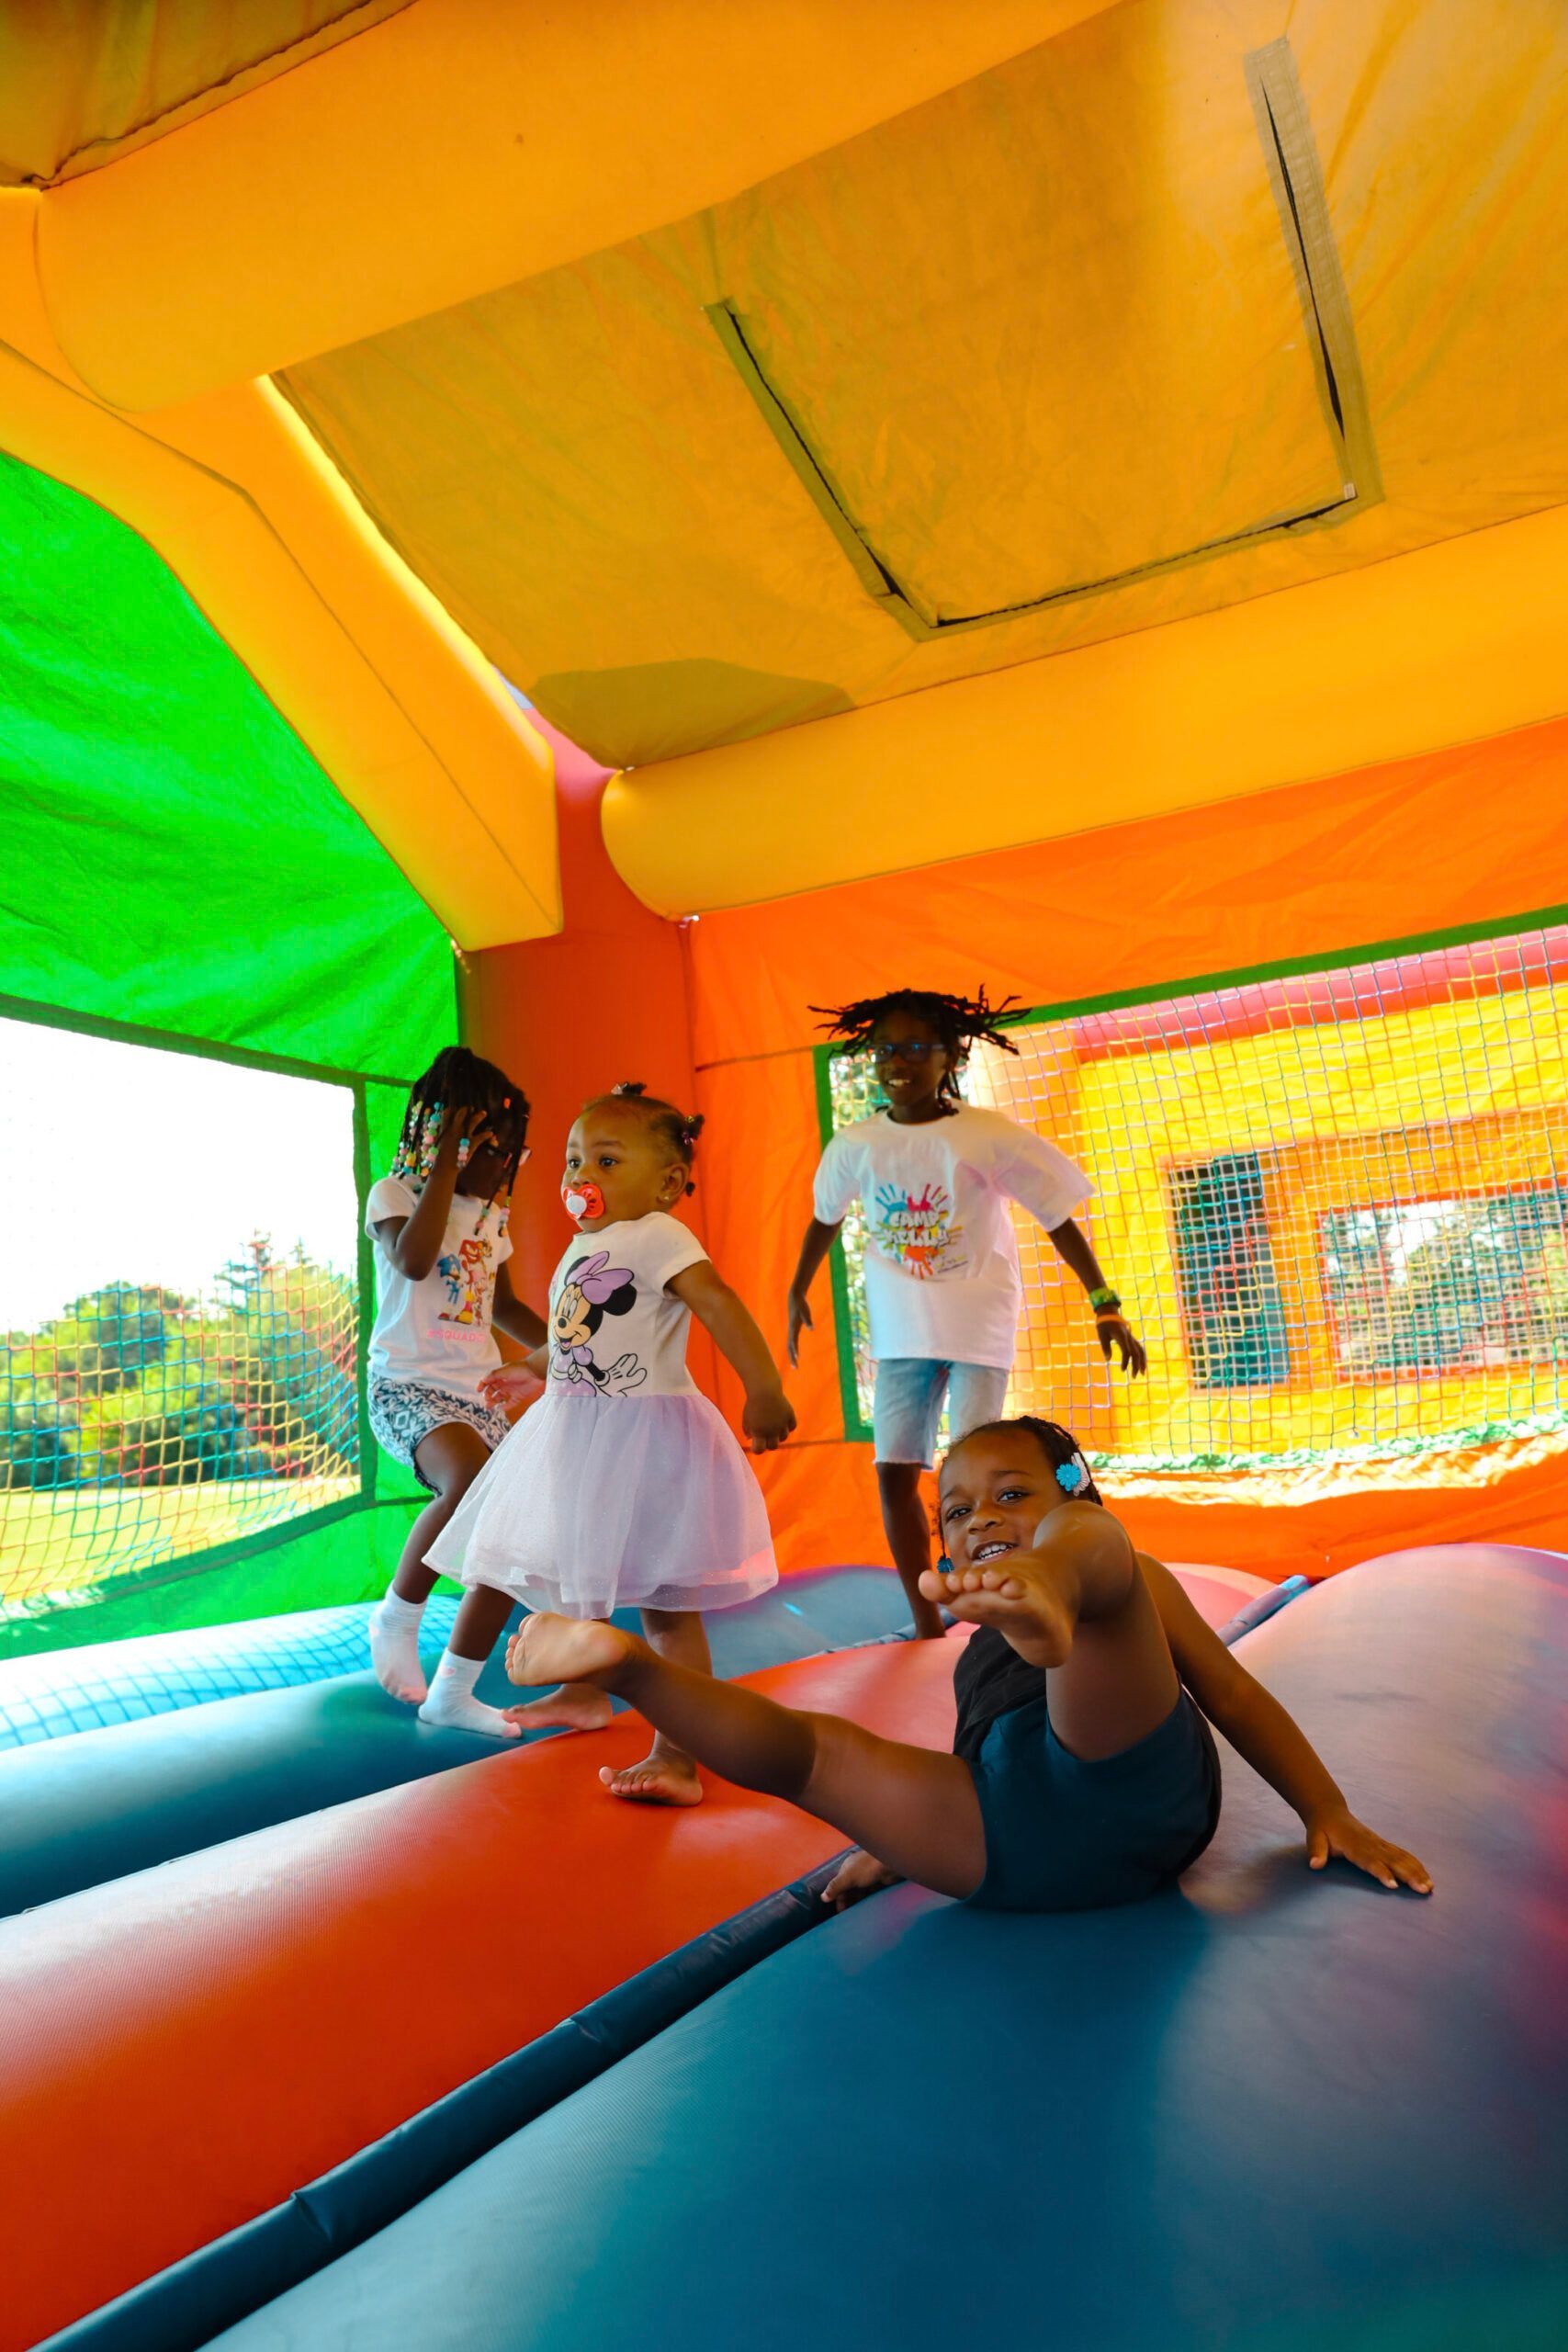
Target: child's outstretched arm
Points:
(1258, 1729)
(769, 1415)
(820, 1240)
(1071, 1245)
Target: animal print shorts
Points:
(403, 1412)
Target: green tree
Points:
(36, 1434)
(192, 1416)
(102, 1340)
(294, 1329)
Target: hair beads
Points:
(459, 1081)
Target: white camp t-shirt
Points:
(942, 1274)
(615, 1330)
(438, 1330)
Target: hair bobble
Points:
(1071, 1475)
(678, 1129)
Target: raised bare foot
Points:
(1017, 1595)
(576, 1706)
(547, 1648)
(667, 1776)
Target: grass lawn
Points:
(63, 1541)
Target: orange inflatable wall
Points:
(1459, 839)
(570, 1017)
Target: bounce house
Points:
(599, 532)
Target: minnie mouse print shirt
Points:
(615, 1329)
(941, 1276)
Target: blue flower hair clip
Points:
(1071, 1475)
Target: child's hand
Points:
(1115, 1331)
(509, 1384)
(768, 1420)
(859, 1874)
(463, 1124)
(799, 1320)
(1342, 1834)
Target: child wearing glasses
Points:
(934, 1175)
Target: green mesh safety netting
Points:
(178, 869)
(1335, 1203)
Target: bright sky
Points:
(121, 1163)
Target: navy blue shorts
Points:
(1064, 1835)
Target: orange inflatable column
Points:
(569, 1016)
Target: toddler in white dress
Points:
(622, 1486)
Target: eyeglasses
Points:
(910, 1049)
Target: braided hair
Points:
(459, 1081)
(678, 1129)
(960, 1022)
(1058, 1445)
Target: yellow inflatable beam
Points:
(1446, 646)
(414, 729)
(462, 146)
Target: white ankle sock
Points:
(453, 1704)
(394, 1646)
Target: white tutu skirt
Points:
(599, 1503)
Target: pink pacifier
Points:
(583, 1199)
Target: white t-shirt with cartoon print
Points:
(437, 1330)
(941, 1272)
(615, 1329)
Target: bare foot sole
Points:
(1017, 1597)
(547, 1648)
(658, 1779)
(576, 1706)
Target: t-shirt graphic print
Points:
(468, 1274)
(941, 1272)
(437, 1330)
(917, 1231)
(616, 1329)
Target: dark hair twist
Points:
(1059, 1446)
(459, 1080)
(960, 1022)
(677, 1128)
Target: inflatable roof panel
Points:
(1054, 417)
(78, 89)
(1172, 312)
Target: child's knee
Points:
(449, 1489)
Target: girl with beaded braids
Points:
(1084, 1773)
(934, 1176)
(623, 1486)
(439, 1222)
